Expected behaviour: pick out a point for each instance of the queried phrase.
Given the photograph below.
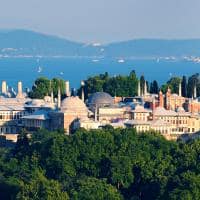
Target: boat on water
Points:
(121, 61)
(39, 69)
(95, 60)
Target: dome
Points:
(36, 103)
(73, 104)
(100, 98)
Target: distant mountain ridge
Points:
(23, 43)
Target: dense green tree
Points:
(184, 86)
(142, 84)
(116, 86)
(93, 189)
(22, 146)
(100, 164)
(43, 87)
(193, 81)
(39, 187)
(173, 83)
(187, 186)
(154, 88)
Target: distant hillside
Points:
(21, 42)
(155, 47)
(28, 43)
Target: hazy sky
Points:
(104, 20)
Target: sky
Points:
(104, 21)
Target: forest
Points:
(100, 164)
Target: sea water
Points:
(76, 69)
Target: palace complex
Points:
(169, 114)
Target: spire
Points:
(59, 98)
(139, 89)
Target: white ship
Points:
(95, 60)
(39, 69)
(121, 61)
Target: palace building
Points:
(169, 114)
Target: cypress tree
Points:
(184, 86)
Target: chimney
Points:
(168, 102)
(180, 90)
(4, 87)
(153, 108)
(82, 91)
(96, 114)
(195, 92)
(145, 88)
(67, 90)
(139, 89)
(52, 97)
(19, 89)
(161, 99)
(59, 98)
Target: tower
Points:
(4, 87)
(67, 90)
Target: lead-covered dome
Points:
(36, 103)
(73, 104)
(100, 99)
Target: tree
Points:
(154, 89)
(22, 147)
(39, 187)
(184, 86)
(193, 81)
(187, 186)
(92, 188)
(142, 84)
(43, 87)
(116, 86)
(174, 83)
(121, 171)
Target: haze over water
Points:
(75, 70)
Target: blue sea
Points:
(76, 69)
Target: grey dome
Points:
(73, 104)
(100, 99)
